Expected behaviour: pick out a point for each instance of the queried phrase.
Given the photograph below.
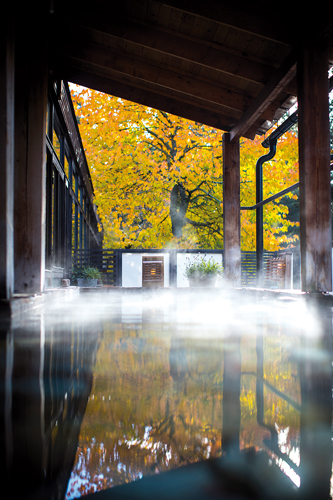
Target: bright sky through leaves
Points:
(137, 155)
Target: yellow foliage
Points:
(137, 154)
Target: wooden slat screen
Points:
(152, 271)
(249, 267)
(104, 260)
(275, 269)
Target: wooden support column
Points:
(231, 210)
(30, 155)
(314, 169)
(6, 158)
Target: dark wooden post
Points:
(314, 169)
(76, 214)
(119, 267)
(30, 147)
(6, 157)
(173, 269)
(231, 210)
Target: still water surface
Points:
(104, 390)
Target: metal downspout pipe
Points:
(269, 142)
(259, 210)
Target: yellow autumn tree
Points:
(158, 177)
(278, 174)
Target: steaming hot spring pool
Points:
(171, 394)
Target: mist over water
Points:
(136, 383)
(193, 313)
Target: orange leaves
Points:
(138, 154)
(279, 173)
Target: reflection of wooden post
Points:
(173, 269)
(260, 376)
(231, 395)
(314, 169)
(28, 406)
(288, 275)
(231, 210)
(6, 369)
(316, 414)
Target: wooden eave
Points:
(232, 68)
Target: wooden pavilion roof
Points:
(228, 65)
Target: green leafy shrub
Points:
(86, 273)
(199, 267)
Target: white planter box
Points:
(92, 283)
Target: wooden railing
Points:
(109, 262)
(105, 260)
(249, 267)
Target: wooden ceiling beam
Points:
(81, 76)
(185, 48)
(231, 115)
(167, 78)
(146, 71)
(270, 92)
(245, 16)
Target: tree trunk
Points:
(179, 201)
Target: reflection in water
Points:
(231, 394)
(107, 390)
(46, 379)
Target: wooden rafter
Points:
(172, 105)
(286, 73)
(243, 15)
(209, 61)
(186, 48)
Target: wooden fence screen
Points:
(108, 261)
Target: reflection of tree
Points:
(271, 440)
(142, 381)
(156, 401)
(178, 360)
(48, 385)
(281, 388)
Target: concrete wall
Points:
(132, 267)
